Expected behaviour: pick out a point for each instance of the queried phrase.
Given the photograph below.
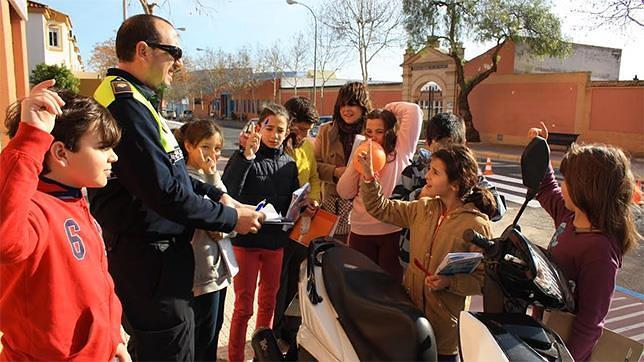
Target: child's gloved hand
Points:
(542, 132)
(42, 106)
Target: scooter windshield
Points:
(549, 280)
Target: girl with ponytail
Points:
(436, 225)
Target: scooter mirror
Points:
(534, 163)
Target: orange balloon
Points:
(378, 156)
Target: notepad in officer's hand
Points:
(322, 224)
(459, 263)
(271, 216)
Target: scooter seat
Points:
(377, 315)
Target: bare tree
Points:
(103, 56)
(239, 75)
(297, 57)
(272, 60)
(330, 59)
(210, 69)
(620, 13)
(367, 26)
(186, 83)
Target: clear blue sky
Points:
(230, 24)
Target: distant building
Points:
(51, 38)
(579, 94)
(602, 63)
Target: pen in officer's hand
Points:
(260, 205)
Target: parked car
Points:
(187, 114)
(169, 114)
(316, 127)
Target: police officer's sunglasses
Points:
(174, 51)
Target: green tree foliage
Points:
(64, 77)
(451, 22)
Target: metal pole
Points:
(315, 49)
(124, 10)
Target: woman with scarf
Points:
(333, 146)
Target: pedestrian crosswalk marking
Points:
(628, 328)
(505, 189)
(626, 306)
(638, 337)
(619, 298)
(625, 316)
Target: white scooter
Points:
(352, 310)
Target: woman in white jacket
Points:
(397, 129)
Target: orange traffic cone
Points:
(637, 193)
(488, 167)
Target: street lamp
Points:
(315, 45)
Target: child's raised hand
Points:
(252, 144)
(365, 160)
(42, 106)
(534, 132)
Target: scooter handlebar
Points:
(477, 239)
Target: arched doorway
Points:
(430, 99)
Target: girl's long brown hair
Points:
(600, 183)
(352, 94)
(461, 167)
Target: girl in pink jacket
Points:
(397, 129)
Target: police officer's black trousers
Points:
(154, 283)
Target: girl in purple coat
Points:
(595, 228)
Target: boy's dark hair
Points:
(195, 130)
(273, 109)
(80, 115)
(461, 167)
(352, 94)
(134, 29)
(391, 128)
(446, 126)
(301, 110)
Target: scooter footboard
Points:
(508, 337)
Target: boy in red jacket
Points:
(57, 298)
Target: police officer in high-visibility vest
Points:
(150, 209)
